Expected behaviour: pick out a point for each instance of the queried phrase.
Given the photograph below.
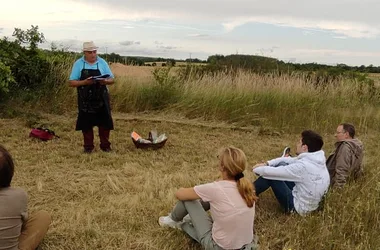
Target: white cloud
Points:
(341, 16)
(346, 28)
(231, 15)
(197, 35)
(307, 32)
(203, 26)
(333, 52)
(56, 12)
(167, 47)
(129, 43)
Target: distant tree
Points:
(362, 68)
(171, 62)
(343, 66)
(194, 60)
(215, 59)
(113, 57)
(53, 46)
(31, 36)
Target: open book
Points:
(101, 77)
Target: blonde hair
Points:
(234, 162)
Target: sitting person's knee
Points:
(44, 216)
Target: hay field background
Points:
(113, 200)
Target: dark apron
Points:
(93, 103)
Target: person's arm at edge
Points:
(286, 160)
(275, 162)
(186, 194)
(281, 173)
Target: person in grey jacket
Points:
(299, 183)
(346, 160)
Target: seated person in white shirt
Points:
(299, 183)
(231, 202)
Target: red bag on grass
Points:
(43, 134)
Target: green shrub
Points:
(32, 75)
(6, 78)
(163, 92)
(27, 64)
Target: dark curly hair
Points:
(6, 168)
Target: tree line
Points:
(265, 64)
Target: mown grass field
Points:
(113, 200)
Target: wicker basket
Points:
(147, 143)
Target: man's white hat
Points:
(89, 46)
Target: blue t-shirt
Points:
(100, 63)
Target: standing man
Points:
(93, 98)
(346, 161)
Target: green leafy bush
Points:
(163, 92)
(6, 78)
(28, 65)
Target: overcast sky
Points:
(324, 31)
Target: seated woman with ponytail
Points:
(231, 201)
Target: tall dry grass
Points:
(278, 101)
(271, 101)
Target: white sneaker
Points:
(286, 152)
(167, 221)
(187, 218)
